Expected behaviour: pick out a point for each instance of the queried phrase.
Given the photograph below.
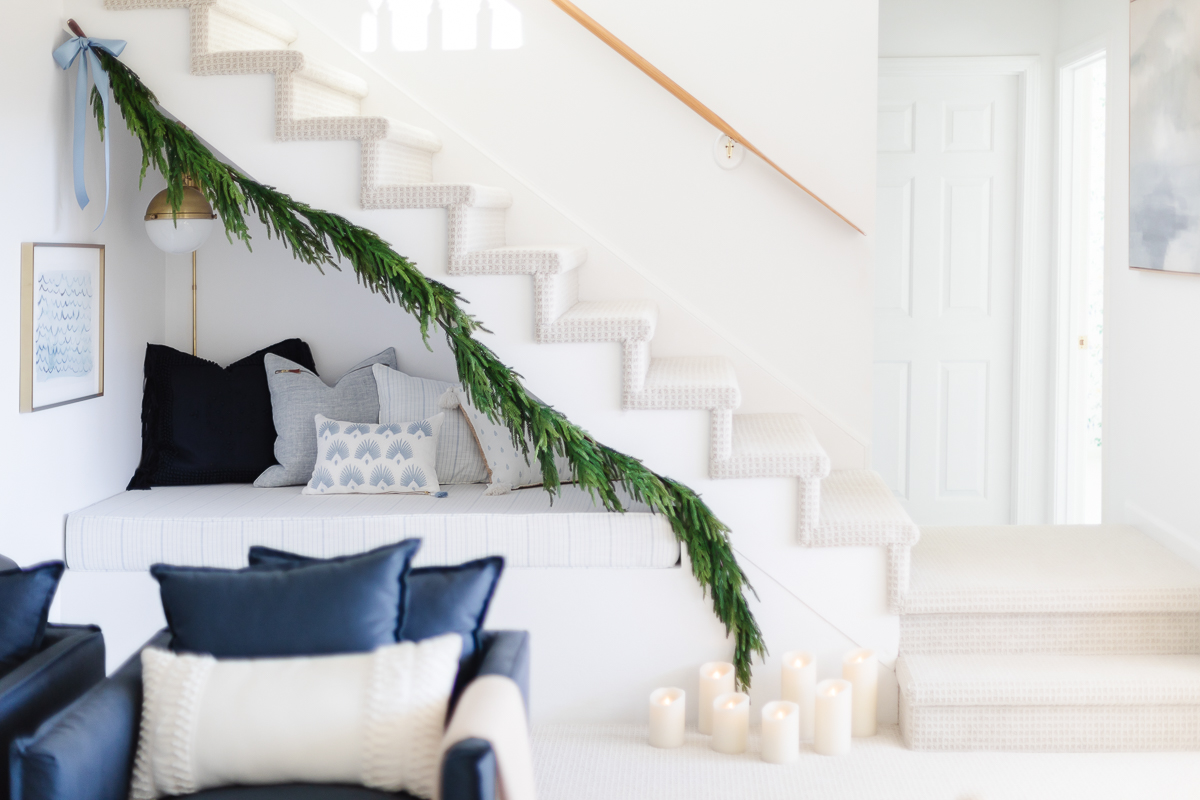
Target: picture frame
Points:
(62, 324)
(1164, 136)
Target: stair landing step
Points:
(773, 446)
(1049, 680)
(1064, 634)
(1035, 569)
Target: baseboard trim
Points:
(1163, 532)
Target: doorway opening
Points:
(1080, 352)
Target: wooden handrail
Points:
(606, 36)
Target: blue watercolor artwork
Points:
(1164, 135)
(62, 339)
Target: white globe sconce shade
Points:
(183, 231)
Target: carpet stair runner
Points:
(1049, 638)
(316, 101)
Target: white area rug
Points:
(605, 762)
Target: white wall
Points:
(66, 457)
(765, 266)
(1151, 338)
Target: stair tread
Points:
(687, 383)
(436, 195)
(1048, 679)
(859, 510)
(713, 371)
(333, 77)
(1048, 569)
(569, 256)
(295, 62)
(778, 445)
(409, 135)
(642, 310)
(709, 372)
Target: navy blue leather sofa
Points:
(70, 661)
(86, 751)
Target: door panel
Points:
(944, 275)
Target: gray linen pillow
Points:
(405, 397)
(298, 395)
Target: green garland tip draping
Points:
(320, 238)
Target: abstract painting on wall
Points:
(62, 324)
(1164, 135)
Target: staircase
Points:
(316, 101)
(1049, 638)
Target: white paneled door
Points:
(946, 250)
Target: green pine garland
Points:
(320, 238)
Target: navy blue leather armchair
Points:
(70, 661)
(86, 752)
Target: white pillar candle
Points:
(780, 732)
(799, 681)
(666, 717)
(861, 668)
(730, 722)
(716, 678)
(831, 736)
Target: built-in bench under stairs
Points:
(1049, 638)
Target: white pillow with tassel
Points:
(508, 467)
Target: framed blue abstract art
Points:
(1164, 135)
(62, 324)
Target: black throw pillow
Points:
(25, 596)
(340, 605)
(204, 424)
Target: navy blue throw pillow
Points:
(25, 596)
(203, 423)
(341, 605)
(437, 600)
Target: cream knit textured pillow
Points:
(374, 719)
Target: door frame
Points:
(1066, 65)
(1026, 407)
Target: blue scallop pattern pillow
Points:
(357, 458)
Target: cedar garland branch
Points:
(320, 238)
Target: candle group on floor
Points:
(827, 714)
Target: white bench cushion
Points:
(214, 526)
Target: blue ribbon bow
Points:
(65, 56)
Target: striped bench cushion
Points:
(214, 526)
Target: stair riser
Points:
(1067, 634)
(395, 163)
(478, 229)
(1057, 729)
(226, 32)
(553, 296)
(311, 99)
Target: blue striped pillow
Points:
(405, 397)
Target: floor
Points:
(605, 762)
